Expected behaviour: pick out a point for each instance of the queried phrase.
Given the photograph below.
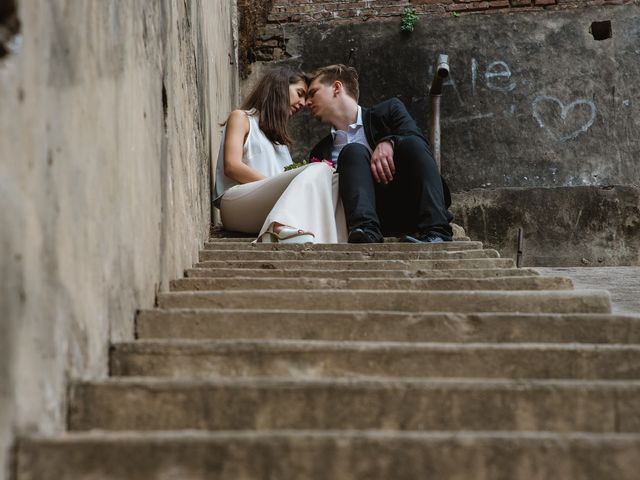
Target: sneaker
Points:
(364, 235)
(428, 237)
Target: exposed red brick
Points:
(341, 11)
(499, 4)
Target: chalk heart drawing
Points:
(542, 110)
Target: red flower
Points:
(331, 163)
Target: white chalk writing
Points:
(497, 76)
(564, 112)
(498, 70)
(470, 118)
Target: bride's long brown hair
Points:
(270, 97)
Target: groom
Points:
(389, 181)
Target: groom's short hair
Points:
(348, 76)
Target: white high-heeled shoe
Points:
(286, 235)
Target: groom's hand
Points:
(382, 166)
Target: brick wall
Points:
(261, 37)
(344, 11)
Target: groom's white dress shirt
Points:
(354, 134)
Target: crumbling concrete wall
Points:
(562, 226)
(542, 95)
(108, 121)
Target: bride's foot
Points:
(277, 227)
(278, 233)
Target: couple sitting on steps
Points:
(386, 182)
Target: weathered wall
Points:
(346, 11)
(562, 226)
(108, 118)
(534, 100)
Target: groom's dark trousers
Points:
(414, 201)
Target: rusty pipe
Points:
(435, 92)
(441, 72)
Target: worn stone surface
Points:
(207, 255)
(623, 283)
(376, 455)
(300, 283)
(544, 301)
(380, 359)
(317, 359)
(243, 244)
(220, 235)
(270, 270)
(387, 326)
(107, 127)
(340, 403)
(577, 226)
(363, 264)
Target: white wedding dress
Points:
(305, 198)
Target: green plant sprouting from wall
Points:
(409, 20)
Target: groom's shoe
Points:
(365, 235)
(427, 237)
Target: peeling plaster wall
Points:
(108, 120)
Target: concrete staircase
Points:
(392, 361)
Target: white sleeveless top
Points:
(258, 152)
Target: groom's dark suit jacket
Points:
(388, 120)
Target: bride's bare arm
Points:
(237, 131)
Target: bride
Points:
(253, 190)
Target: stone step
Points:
(387, 326)
(362, 264)
(354, 404)
(198, 359)
(306, 255)
(387, 240)
(544, 301)
(342, 247)
(504, 283)
(338, 455)
(357, 273)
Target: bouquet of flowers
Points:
(331, 163)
